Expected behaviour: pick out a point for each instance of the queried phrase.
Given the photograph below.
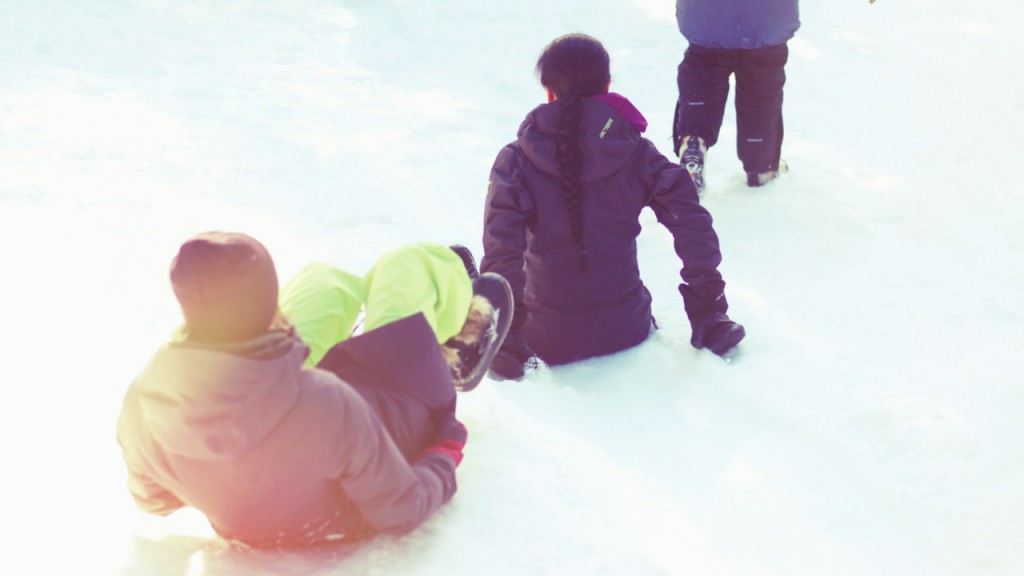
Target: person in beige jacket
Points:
(229, 419)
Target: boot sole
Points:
(495, 289)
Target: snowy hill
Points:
(869, 426)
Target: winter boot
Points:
(467, 260)
(755, 179)
(470, 352)
(692, 157)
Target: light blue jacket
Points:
(735, 24)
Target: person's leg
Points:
(323, 304)
(703, 82)
(760, 76)
(426, 278)
(412, 387)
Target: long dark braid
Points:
(569, 159)
(573, 66)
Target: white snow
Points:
(869, 426)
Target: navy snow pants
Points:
(704, 88)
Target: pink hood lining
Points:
(625, 108)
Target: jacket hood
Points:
(210, 404)
(609, 134)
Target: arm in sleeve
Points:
(507, 212)
(150, 496)
(673, 197)
(394, 495)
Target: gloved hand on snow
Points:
(513, 358)
(451, 442)
(716, 332)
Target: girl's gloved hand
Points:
(513, 358)
(717, 333)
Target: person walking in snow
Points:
(748, 39)
(284, 431)
(562, 218)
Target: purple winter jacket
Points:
(738, 24)
(275, 454)
(566, 314)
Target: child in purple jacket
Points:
(562, 217)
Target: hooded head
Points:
(227, 286)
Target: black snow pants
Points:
(704, 88)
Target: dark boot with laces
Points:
(692, 158)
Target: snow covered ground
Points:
(870, 425)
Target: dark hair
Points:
(573, 66)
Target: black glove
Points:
(717, 333)
(513, 358)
